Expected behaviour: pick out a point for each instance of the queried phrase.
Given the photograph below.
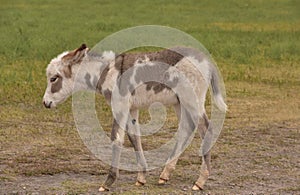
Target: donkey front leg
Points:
(117, 137)
(135, 139)
(205, 130)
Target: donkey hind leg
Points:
(170, 166)
(186, 116)
(135, 139)
(204, 128)
(117, 138)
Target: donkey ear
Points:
(75, 56)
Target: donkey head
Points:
(60, 76)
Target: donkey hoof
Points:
(162, 181)
(103, 189)
(138, 183)
(196, 187)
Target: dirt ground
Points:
(253, 161)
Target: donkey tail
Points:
(218, 98)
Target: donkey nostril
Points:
(47, 105)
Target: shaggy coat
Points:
(179, 77)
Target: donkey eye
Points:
(53, 79)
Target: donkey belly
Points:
(146, 95)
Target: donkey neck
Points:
(88, 73)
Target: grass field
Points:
(255, 43)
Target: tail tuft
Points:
(220, 102)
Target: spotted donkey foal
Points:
(101, 73)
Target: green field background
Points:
(242, 36)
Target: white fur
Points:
(220, 102)
(202, 66)
(197, 73)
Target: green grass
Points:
(255, 44)
(243, 37)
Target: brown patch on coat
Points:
(125, 61)
(102, 78)
(157, 76)
(57, 85)
(167, 57)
